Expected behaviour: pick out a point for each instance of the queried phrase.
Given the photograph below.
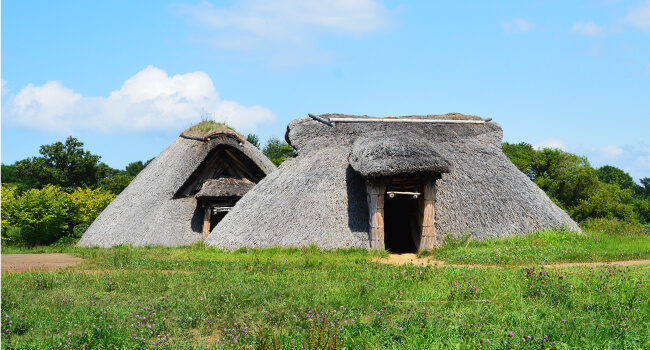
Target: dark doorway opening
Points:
(216, 218)
(401, 223)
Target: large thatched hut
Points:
(184, 192)
(395, 183)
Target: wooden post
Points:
(376, 192)
(206, 222)
(429, 239)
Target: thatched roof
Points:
(318, 197)
(224, 188)
(374, 155)
(448, 116)
(153, 209)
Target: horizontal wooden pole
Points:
(397, 120)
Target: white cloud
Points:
(517, 25)
(552, 143)
(610, 151)
(150, 100)
(285, 30)
(639, 16)
(632, 158)
(4, 89)
(644, 162)
(586, 28)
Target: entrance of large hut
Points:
(401, 223)
(401, 212)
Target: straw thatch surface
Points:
(375, 155)
(318, 198)
(146, 212)
(224, 188)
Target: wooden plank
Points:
(206, 222)
(375, 198)
(429, 239)
(241, 165)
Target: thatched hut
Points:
(184, 192)
(396, 183)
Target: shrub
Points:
(41, 215)
(609, 201)
(66, 241)
(79, 230)
(11, 235)
(8, 198)
(87, 204)
(612, 226)
(642, 209)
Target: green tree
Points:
(134, 168)
(253, 140)
(116, 184)
(277, 151)
(40, 214)
(23, 183)
(613, 175)
(65, 164)
(565, 177)
(9, 174)
(522, 155)
(609, 201)
(646, 187)
(642, 209)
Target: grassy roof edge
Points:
(205, 127)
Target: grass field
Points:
(202, 298)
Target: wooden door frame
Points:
(376, 192)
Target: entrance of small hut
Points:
(216, 217)
(401, 221)
(401, 210)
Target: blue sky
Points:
(126, 77)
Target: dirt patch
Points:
(401, 259)
(408, 258)
(37, 262)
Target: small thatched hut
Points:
(184, 192)
(395, 183)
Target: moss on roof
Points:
(205, 127)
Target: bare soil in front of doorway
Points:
(411, 258)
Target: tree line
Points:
(605, 197)
(58, 194)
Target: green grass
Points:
(203, 298)
(545, 247)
